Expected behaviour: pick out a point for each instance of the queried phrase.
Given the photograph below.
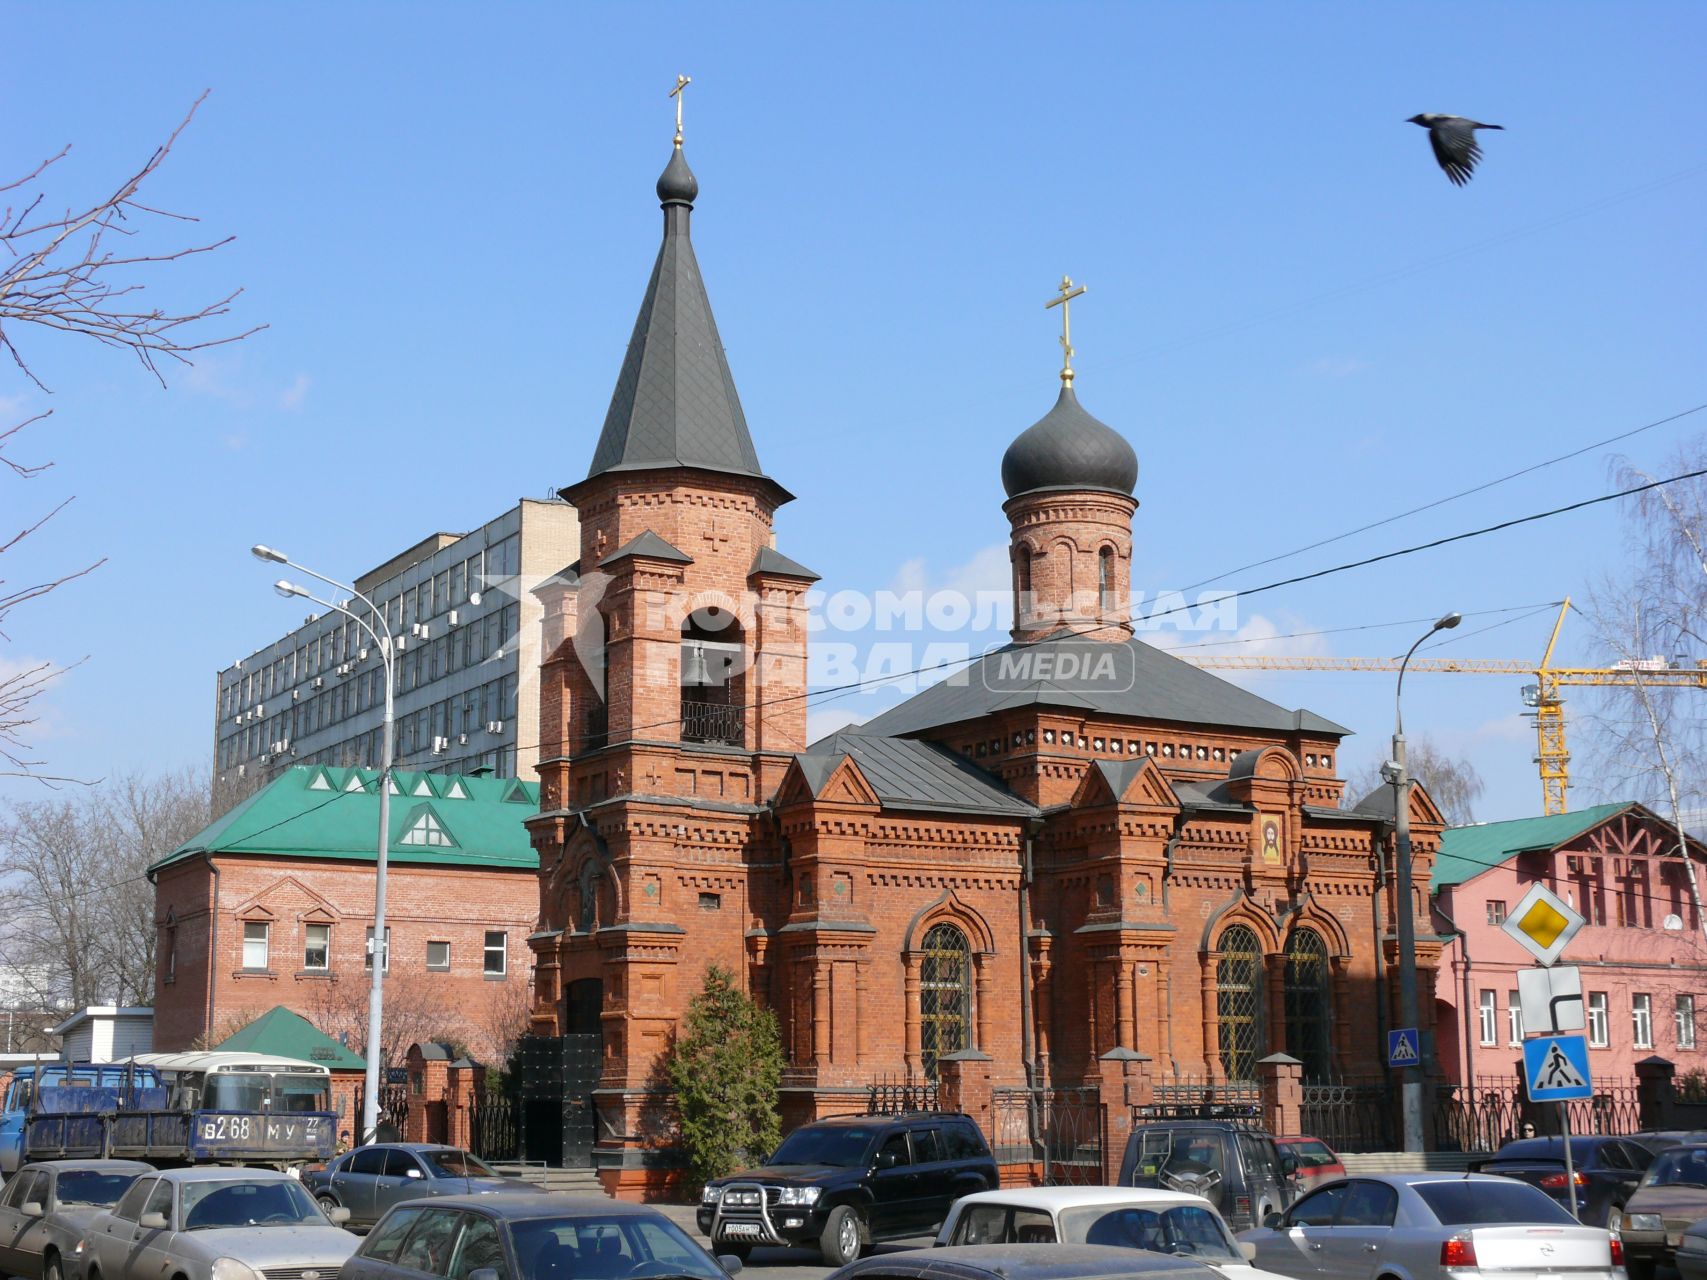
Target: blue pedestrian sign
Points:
(1402, 1048)
(1556, 1068)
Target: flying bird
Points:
(1454, 141)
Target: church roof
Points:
(907, 774)
(675, 403)
(287, 1034)
(770, 560)
(1069, 449)
(1129, 679)
(649, 545)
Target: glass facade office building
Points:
(467, 697)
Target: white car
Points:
(1169, 1222)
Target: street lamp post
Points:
(378, 952)
(1408, 1014)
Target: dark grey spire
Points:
(675, 403)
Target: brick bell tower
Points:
(1069, 480)
(672, 686)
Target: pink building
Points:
(1642, 953)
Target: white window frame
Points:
(261, 947)
(367, 946)
(1488, 1006)
(502, 949)
(326, 962)
(1514, 1018)
(1683, 1017)
(438, 968)
(1492, 914)
(1597, 1020)
(1642, 1020)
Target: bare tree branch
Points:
(76, 272)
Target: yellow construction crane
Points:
(1543, 696)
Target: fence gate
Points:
(1056, 1131)
(582, 1065)
(1347, 1116)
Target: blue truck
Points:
(171, 1109)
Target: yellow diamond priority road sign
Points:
(1543, 923)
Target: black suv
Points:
(844, 1182)
(1236, 1168)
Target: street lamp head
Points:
(263, 552)
(1449, 621)
(289, 589)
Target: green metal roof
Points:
(290, 1035)
(314, 811)
(1468, 851)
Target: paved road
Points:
(780, 1264)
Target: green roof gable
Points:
(290, 1035)
(1466, 852)
(312, 811)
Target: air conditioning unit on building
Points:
(242, 769)
(452, 618)
(494, 726)
(402, 643)
(261, 710)
(440, 745)
(426, 631)
(295, 694)
(317, 683)
(361, 655)
(462, 739)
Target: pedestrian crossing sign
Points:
(1402, 1048)
(1556, 1068)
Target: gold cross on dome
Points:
(1068, 292)
(682, 82)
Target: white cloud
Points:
(215, 377)
(291, 397)
(988, 570)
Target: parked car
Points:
(369, 1180)
(1023, 1262)
(215, 1223)
(1431, 1226)
(844, 1182)
(516, 1236)
(1317, 1162)
(1169, 1222)
(1239, 1170)
(1658, 1140)
(1672, 1194)
(1691, 1257)
(46, 1209)
(1606, 1171)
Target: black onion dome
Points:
(677, 185)
(1069, 449)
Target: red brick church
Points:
(1080, 848)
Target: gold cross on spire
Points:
(1068, 293)
(682, 82)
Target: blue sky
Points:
(445, 215)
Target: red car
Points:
(1317, 1162)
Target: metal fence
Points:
(492, 1132)
(1349, 1115)
(1495, 1109)
(890, 1096)
(1057, 1131)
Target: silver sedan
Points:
(46, 1210)
(216, 1224)
(1432, 1226)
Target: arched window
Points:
(712, 666)
(1105, 578)
(1307, 1003)
(1238, 1002)
(945, 995)
(1022, 571)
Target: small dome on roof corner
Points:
(677, 185)
(1069, 449)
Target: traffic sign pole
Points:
(1570, 1170)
